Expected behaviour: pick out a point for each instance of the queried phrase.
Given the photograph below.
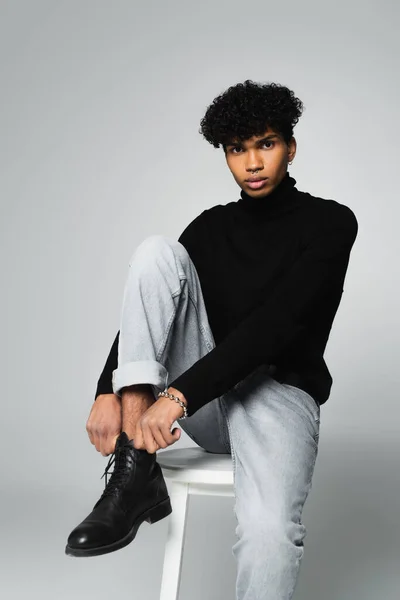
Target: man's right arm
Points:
(104, 384)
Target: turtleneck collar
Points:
(282, 198)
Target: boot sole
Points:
(152, 515)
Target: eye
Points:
(263, 144)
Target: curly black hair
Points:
(248, 109)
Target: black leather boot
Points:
(136, 492)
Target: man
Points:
(225, 330)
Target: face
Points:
(268, 153)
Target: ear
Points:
(292, 146)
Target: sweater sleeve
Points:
(104, 384)
(272, 327)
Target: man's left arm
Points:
(276, 323)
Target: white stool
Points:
(189, 471)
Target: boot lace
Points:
(118, 475)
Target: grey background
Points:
(100, 110)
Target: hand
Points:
(153, 430)
(105, 422)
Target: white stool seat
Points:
(188, 471)
(195, 465)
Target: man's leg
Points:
(135, 400)
(164, 330)
(274, 433)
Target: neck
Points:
(279, 200)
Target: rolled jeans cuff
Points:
(148, 372)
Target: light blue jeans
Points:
(270, 429)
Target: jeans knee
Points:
(152, 244)
(158, 244)
(270, 529)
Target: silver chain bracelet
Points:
(165, 393)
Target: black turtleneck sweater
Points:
(272, 271)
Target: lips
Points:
(256, 179)
(256, 184)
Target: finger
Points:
(149, 441)
(159, 438)
(103, 444)
(96, 441)
(138, 441)
(108, 445)
(114, 441)
(169, 436)
(102, 435)
(177, 432)
(90, 433)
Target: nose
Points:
(254, 163)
